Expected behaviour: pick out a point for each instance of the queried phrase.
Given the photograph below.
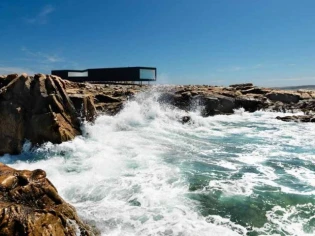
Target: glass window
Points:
(78, 74)
(147, 74)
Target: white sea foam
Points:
(128, 174)
(293, 220)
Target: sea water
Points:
(143, 172)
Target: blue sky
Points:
(221, 42)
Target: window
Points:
(147, 74)
(78, 74)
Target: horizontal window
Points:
(78, 74)
(147, 74)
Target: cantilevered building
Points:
(109, 75)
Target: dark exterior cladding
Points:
(108, 74)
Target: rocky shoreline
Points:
(45, 108)
(31, 205)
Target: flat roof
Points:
(108, 68)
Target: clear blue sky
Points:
(267, 42)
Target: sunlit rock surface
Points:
(30, 205)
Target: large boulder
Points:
(215, 104)
(284, 96)
(37, 109)
(182, 101)
(31, 205)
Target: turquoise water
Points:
(142, 172)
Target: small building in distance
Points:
(120, 75)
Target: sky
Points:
(215, 42)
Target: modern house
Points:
(120, 75)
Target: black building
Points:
(109, 75)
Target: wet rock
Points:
(215, 104)
(130, 93)
(227, 104)
(84, 105)
(185, 119)
(31, 205)
(301, 118)
(109, 108)
(177, 100)
(248, 103)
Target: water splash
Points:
(142, 172)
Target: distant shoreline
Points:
(309, 87)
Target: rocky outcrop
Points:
(299, 118)
(46, 108)
(31, 205)
(284, 96)
(37, 109)
(214, 100)
(108, 99)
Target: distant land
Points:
(309, 87)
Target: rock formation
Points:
(300, 118)
(213, 100)
(108, 99)
(46, 108)
(37, 109)
(30, 205)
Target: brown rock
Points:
(37, 109)
(31, 205)
(305, 94)
(109, 108)
(84, 105)
(12, 128)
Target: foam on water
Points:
(143, 172)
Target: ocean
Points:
(143, 172)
